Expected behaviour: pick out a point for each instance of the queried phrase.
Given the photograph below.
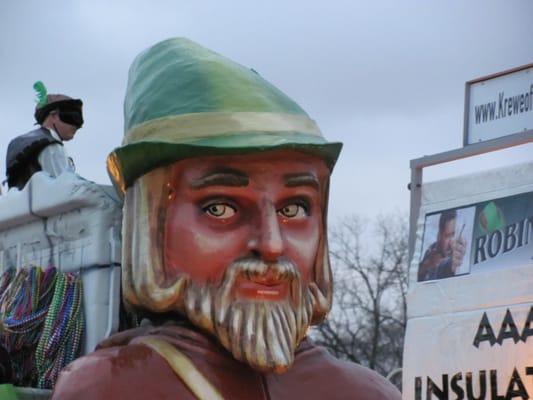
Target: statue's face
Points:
(266, 206)
(243, 234)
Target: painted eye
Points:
(293, 211)
(220, 210)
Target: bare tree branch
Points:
(368, 319)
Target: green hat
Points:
(183, 101)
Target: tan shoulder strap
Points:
(183, 368)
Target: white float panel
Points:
(444, 314)
(74, 225)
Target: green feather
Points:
(42, 95)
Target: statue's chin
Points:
(267, 369)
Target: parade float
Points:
(60, 276)
(470, 316)
(470, 301)
(224, 260)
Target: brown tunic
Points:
(122, 369)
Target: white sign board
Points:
(499, 105)
(470, 302)
(481, 354)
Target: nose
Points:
(266, 241)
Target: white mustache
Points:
(254, 268)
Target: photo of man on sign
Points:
(445, 251)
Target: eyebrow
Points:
(301, 179)
(221, 177)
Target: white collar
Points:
(55, 135)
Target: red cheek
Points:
(301, 244)
(194, 248)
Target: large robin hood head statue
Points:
(225, 183)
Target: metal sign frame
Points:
(418, 164)
(468, 84)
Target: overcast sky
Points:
(384, 77)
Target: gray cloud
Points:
(386, 78)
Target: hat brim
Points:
(129, 162)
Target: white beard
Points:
(261, 333)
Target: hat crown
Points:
(177, 77)
(183, 100)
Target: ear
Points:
(50, 119)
